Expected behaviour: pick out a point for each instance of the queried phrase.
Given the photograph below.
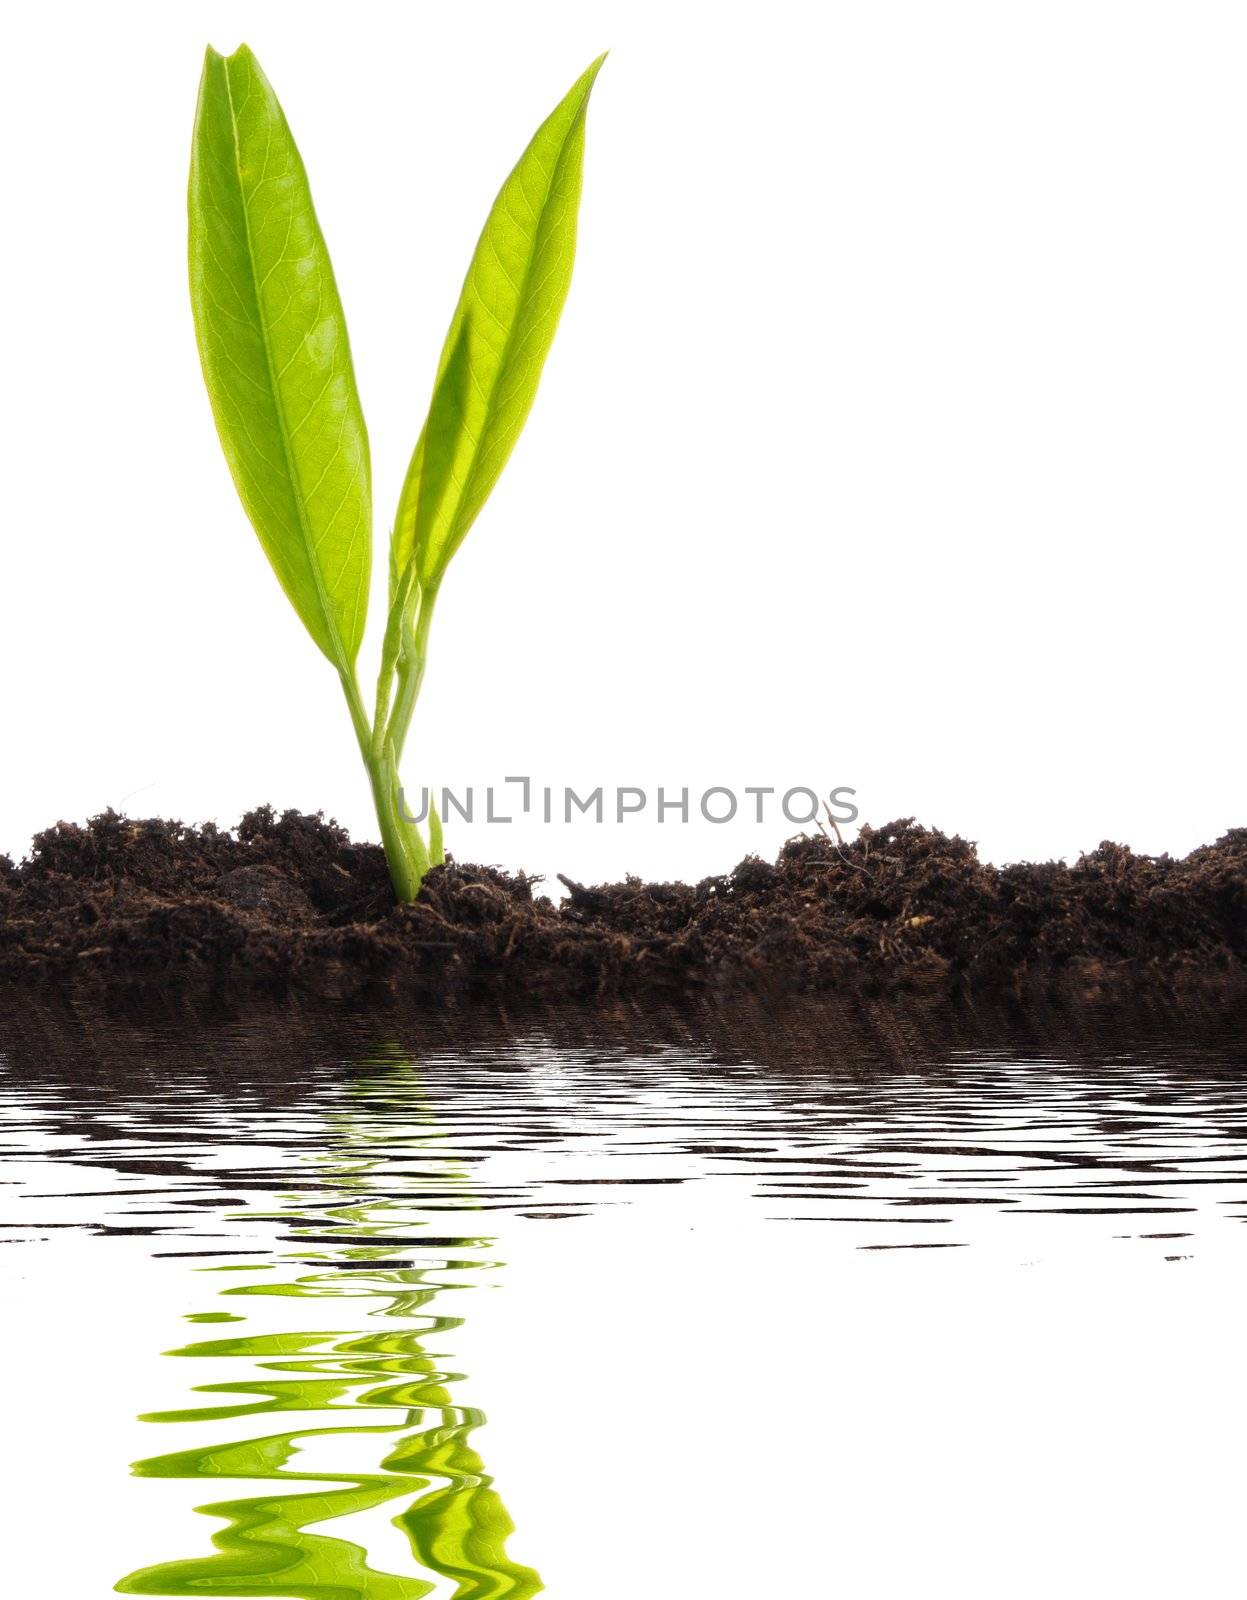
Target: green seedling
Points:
(277, 363)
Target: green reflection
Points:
(456, 1524)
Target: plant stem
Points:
(411, 664)
(405, 853)
(410, 675)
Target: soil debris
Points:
(288, 905)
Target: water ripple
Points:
(386, 1184)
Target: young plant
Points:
(277, 364)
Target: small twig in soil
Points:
(839, 844)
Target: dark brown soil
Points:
(289, 906)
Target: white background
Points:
(894, 435)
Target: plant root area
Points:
(289, 906)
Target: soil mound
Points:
(288, 904)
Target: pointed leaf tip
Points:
(584, 83)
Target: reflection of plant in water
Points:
(457, 1525)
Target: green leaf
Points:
(276, 358)
(497, 344)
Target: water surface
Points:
(704, 1288)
